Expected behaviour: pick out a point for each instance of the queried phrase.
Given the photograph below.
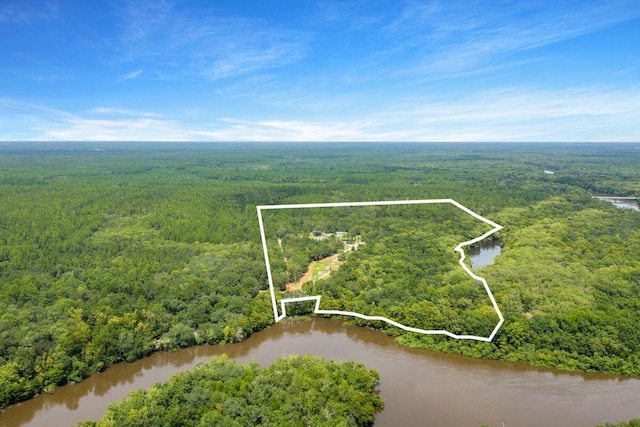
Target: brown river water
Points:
(419, 388)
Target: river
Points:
(418, 387)
(621, 203)
(618, 201)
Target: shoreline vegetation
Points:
(108, 256)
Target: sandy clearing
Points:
(305, 278)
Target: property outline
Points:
(458, 248)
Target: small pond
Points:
(484, 254)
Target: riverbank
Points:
(418, 386)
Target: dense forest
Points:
(405, 269)
(298, 391)
(110, 252)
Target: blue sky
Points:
(297, 70)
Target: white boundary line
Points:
(458, 248)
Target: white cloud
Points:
(521, 104)
(121, 112)
(182, 43)
(133, 74)
(506, 114)
(524, 114)
(139, 129)
(452, 37)
(281, 130)
(355, 15)
(14, 107)
(510, 114)
(23, 13)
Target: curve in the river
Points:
(418, 387)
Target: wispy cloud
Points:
(133, 74)
(138, 129)
(10, 106)
(19, 119)
(29, 121)
(121, 112)
(355, 15)
(22, 13)
(183, 43)
(39, 70)
(515, 114)
(284, 130)
(453, 37)
(529, 114)
(524, 104)
(508, 114)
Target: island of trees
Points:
(298, 391)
